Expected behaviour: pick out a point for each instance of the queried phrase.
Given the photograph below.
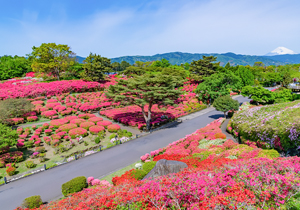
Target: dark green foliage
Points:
(175, 71)
(124, 65)
(11, 67)
(259, 94)
(146, 90)
(8, 137)
(148, 166)
(294, 202)
(138, 174)
(97, 140)
(134, 70)
(32, 202)
(162, 63)
(285, 74)
(246, 76)
(218, 85)
(205, 66)
(11, 108)
(284, 95)
(226, 103)
(95, 67)
(74, 185)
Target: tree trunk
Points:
(225, 115)
(147, 118)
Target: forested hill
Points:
(233, 59)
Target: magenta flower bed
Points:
(29, 88)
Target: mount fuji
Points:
(281, 51)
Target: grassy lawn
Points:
(119, 172)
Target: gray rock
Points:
(164, 167)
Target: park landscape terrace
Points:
(86, 125)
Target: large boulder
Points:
(164, 167)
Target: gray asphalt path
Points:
(47, 184)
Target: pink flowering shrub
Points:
(77, 121)
(113, 128)
(78, 132)
(67, 127)
(86, 125)
(59, 122)
(49, 114)
(145, 157)
(96, 129)
(95, 119)
(104, 123)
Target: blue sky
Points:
(117, 28)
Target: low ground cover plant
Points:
(271, 126)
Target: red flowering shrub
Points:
(86, 125)
(78, 132)
(220, 136)
(12, 157)
(96, 129)
(104, 123)
(67, 127)
(11, 171)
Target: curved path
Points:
(47, 184)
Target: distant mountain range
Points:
(234, 59)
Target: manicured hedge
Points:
(74, 185)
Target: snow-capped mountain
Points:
(281, 51)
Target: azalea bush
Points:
(234, 177)
(272, 126)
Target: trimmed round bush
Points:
(67, 127)
(113, 128)
(104, 123)
(77, 121)
(86, 125)
(96, 129)
(32, 202)
(74, 185)
(95, 119)
(30, 164)
(59, 122)
(78, 131)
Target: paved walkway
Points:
(47, 184)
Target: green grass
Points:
(119, 172)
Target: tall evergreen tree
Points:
(95, 67)
(246, 76)
(146, 90)
(205, 66)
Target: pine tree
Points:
(146, 90)
(205, 66)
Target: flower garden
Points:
(271, 126)
(65, 111)
(221, 174)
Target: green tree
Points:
(124, 65)
(145, 90)
(11, 67)
(95, 67)
(218, 85)
(162, 63)
(116, 66)
(246, 76)
(285, 73)
(227, 66)
(225, 103)
(205, 66)
(8, 137)
(259, 94)
(52, 58)
(134, 70)
(12, 108)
